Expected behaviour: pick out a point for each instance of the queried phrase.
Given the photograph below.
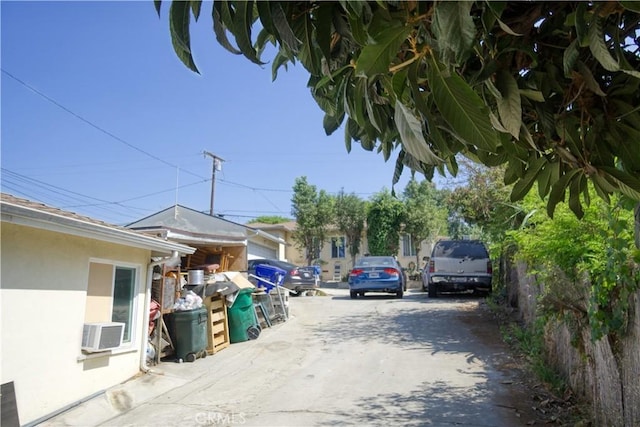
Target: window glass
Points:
(123, 297)
(338, 247)
(407, 246)
(460, 249)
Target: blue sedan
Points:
(376, 274)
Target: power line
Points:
(90, 123)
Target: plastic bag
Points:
(189, 301)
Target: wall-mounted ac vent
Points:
(102, 336)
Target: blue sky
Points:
(100, 117)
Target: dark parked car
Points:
(458, 266)
(297, 279)
(376, 274)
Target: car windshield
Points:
(376, 260)
(460, 249)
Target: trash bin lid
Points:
(266, 270)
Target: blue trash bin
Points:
(274, 275)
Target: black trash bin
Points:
(189, 333)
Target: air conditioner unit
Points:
(102, 336)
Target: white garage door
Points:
(255, 250)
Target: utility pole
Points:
(217, 165)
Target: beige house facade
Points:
(60, 271)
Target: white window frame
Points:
(133, 327)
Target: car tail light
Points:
(489, 268)
(356, 272)
(294, 272)
(432, 266)
(391, 271)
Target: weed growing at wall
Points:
(587, 268)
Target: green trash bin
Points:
(189, 333)
(243, 324)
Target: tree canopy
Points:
(313, 211)
(551, 89)
(385, 217)
(350, 216)
(425, 219)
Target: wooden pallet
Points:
(217, 325)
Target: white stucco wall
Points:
(44, 278)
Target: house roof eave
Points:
(83, 227)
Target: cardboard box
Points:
(237, 278)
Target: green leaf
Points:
(411, 135)
(509, 106)
(513, 171)
(534, 95)
(633, 5)
(558, 189)
(399, 82)
(285, 32)
(179, 19)
(348, 134)
(495, 122)
(359, 99)
(602, 187)
(544, 180)
(280, 60)
(308, 54)
(599, 48)
(397, 172)
(589, 81)
(242, 22)
(462, 108)
(628, 149)
(219, 28)
(496, 9)
(454, 29)
(195, 8)
(569, 58)
(331, 123)
(581, 25)
(323, 17)
(522, 187)
(358, 30)
(633, 73)
(376, 58)
(266, 19)
(627, 185)
(375, 117)
(574, 196)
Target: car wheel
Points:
(433, 292)
(353, 294)
(399, 294)
(295, 293)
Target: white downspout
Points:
(173, 259)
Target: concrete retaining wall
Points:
(608, 378)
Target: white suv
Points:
(458, 266)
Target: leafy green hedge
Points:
(588, 268)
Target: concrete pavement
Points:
(103, 408)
